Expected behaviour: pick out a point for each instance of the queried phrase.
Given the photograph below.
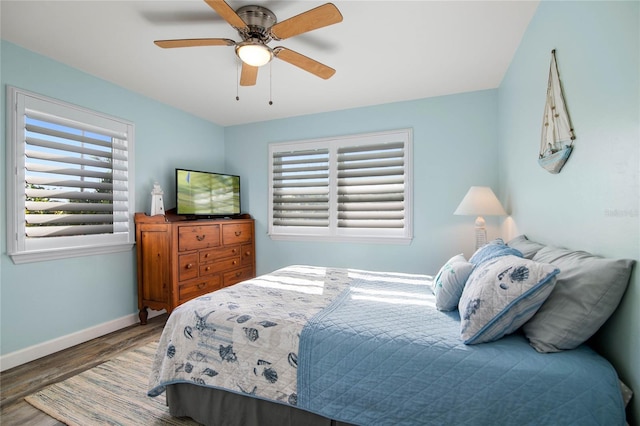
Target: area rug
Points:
(112, 393)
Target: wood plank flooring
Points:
(23, 380)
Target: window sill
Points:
(343, 239)
(44, 255)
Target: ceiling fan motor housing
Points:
(259, 20)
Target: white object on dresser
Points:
(157, 204)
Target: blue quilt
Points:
(381, 354)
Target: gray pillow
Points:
(525, 246)
(587, 292)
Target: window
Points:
(70, 188)
(350, 188)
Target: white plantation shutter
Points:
(371, 186)
(353, 188)
(72, 183)
(301, 188)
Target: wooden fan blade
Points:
(303, 62)
(227, 13)
(321, 16)
(193, 42)
(249, 75)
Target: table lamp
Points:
(480, 201)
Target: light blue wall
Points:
(454, 145)
(594, 203)
(455, 139)
(46, 300)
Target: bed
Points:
(328, 346)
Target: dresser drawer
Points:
(220, 253)
(187, 266)
(238, 275)
(195, 288)
(236, 233)
(222, 265)
(198, 237)
(247, 254)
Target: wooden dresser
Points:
(180, 259)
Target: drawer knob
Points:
(200, 237)
(234, 251)
(247, 253)
(238, 233)
(201, 285)
(238, 274)
(208, 268)
(189, 265)
(235, 262)
(206, 255)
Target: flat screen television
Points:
(206, 194)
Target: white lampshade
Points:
(254, 53)
(480, 201)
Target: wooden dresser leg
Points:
(143, 314)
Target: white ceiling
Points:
(383, 51)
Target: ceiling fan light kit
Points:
(254, 53)
(257, 26)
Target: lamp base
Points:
(481, 232)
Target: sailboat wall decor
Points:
(557, 139)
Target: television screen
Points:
(207, 194)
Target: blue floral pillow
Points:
(492, 250)
(449, 283)
(502, 294)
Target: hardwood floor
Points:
(23, 380)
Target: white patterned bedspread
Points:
(245, 338)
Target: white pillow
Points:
(502, 294)
(525, 246)
(449, 283)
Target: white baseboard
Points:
(40, 350)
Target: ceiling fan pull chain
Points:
(270, 85)
(237, 81)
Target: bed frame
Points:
(218, 407)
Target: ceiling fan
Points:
(257, 26)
